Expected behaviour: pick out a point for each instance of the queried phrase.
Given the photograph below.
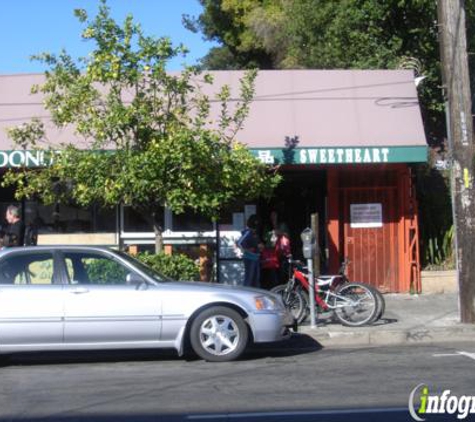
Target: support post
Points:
(308, 249)
(316, 257)
(453, 46)
(204, 262)
(311, 294)
(333, 220)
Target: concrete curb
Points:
(370, 336)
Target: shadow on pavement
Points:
(89, 356)
(330, 323)
(296, 345)
(384, 321)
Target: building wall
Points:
(98, 239)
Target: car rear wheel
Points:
(4, 360)
(219, 334)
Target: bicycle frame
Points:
(322, 296)
(332, 293)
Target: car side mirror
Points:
(134, 279)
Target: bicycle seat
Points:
(295, 261)
(325, 280)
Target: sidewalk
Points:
(408, 319)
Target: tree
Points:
(229, 22)
(147, 134)
(344, 34)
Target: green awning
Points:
(320, 156)
(343, 155)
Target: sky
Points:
(30, 27)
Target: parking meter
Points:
(308, 243)
(309, 248)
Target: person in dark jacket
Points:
(248, 243)
(14, 231)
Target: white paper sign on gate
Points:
(366, 215)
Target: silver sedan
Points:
(73, 298)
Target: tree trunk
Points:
(157, 229)
(151, 217)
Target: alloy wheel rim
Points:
(219, 335)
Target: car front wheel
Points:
(219, 334)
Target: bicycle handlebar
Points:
(298, 263)
(344, 266)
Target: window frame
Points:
(57, 278)
(98, 254)
(168, 233)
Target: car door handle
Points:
(79, 290)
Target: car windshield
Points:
(155, 275)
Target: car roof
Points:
(51, 248)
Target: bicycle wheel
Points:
(380, 302)
(306, 300)
(293, 301)
(355, 305)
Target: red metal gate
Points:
(385, 255)
(373, 251)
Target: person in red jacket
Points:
(269, 266)
(283, 251)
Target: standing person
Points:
(283, 251)
(248, 243)
(14, 231)
(270, 235)
(269, 266)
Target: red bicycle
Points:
(353, 304)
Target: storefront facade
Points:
(344, 142)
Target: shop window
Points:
(105, 220)
(61, 218)
(190, 221)
(232, 218)
(203, 255)
(134, 222)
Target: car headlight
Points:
(266, 303)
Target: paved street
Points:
(140, 385)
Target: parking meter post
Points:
(311, 279)
(316, 255)
(308, 249)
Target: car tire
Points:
(219, 334)
(4, 359)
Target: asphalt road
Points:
(299, 381)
